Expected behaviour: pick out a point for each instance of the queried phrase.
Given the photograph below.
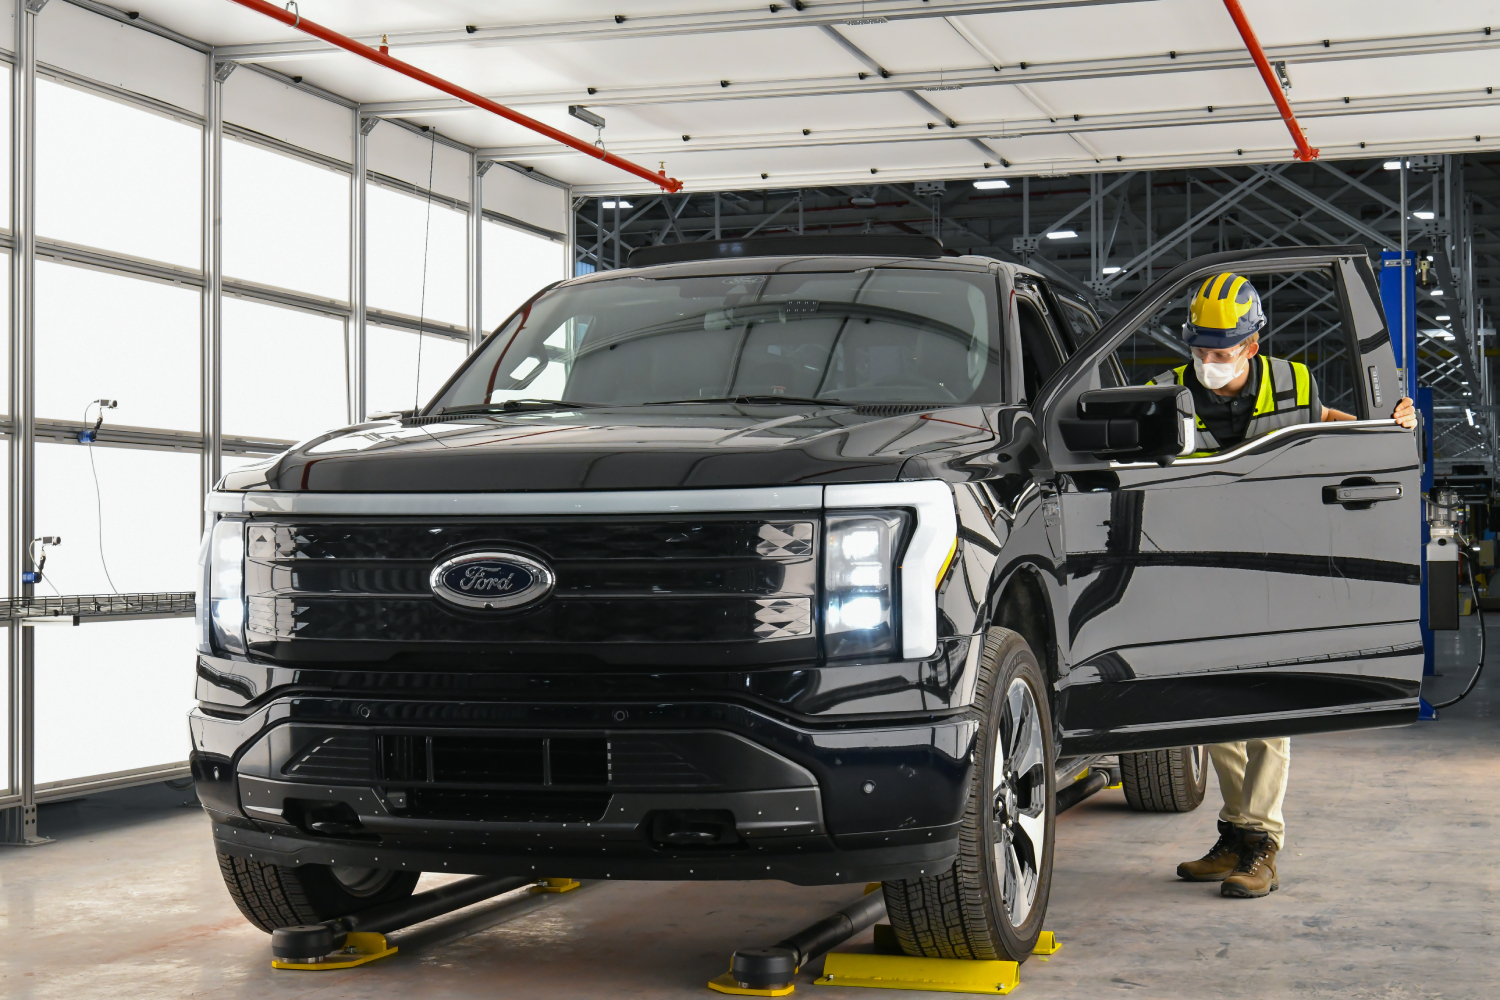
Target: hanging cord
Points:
(416, 392)
(88, 438)
(1479, 667)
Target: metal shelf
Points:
(76, 609)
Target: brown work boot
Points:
(1255, 875)
(1220, 860)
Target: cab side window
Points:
(1083, 325)
(1040, 353)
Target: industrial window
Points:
(391, 366)
(102, 335)
(284, 372)
(517, 265)
(286, 222)
(398, 236)
(117, 177)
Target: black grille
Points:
(507, 806)
(495, 760)
(344, 757)
(359, 590)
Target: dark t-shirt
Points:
(1228, 417)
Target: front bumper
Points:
(861, 802)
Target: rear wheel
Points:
(991, 903)
(272, 896)
(1165, 780)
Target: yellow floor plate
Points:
(726, 984)
(556, 885)
(358, 949)
(939, 975)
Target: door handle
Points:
(1361, 493)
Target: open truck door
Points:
(1268, 589)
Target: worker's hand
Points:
(1406, 413)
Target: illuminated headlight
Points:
(858, 579)
(226, 586)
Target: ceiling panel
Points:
(1068, 32)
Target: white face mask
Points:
(1216, 376)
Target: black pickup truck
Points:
(801, 559)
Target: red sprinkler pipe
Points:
(291, 20)
(1304, 151)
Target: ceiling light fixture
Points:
(1391, 165)
(991, 185)
(1062, 234)
(618, 204)
(1111, 270)
(1442, 319)
(1424, 215)
(1436, 293)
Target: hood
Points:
(694, 446)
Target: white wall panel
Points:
(284, 372)
(286, 221)
(405, 155)
(391, 366)
(103, 49)
(272, 108)
(148, 503)
(110, 336)
(113, 176)
(518, 196)
(399, 230)
(517, 264)
(112, 697)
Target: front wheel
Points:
(272, 896)
(991, 903)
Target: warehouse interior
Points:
(225, 235)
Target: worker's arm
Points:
(1405, 413)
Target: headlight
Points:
(858, 582)
(226, 585)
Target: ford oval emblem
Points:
(491, 580)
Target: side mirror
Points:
(1152, 423)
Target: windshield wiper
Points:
(749, 399)
(515, 405)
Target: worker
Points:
(1236, 399)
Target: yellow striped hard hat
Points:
(1224, 312)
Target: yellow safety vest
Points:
(1284, 400)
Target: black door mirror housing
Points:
(1151, 423)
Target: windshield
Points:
(875, 335)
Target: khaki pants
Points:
(1252, 776)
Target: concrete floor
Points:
(1389, 891)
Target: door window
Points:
(1040, 352)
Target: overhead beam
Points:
(1007, 129)
(618, 26)
(1155, 64)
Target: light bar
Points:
(991, 185)
(1062, 234)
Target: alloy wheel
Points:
(1019, 802)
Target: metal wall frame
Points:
(19, 794)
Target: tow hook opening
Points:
(325, 819)
(679, 828)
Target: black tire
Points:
(971, 911)
(271, 896)
(1165, 781)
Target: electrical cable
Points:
(416, 392)
(1479, 668)
(98, 500)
